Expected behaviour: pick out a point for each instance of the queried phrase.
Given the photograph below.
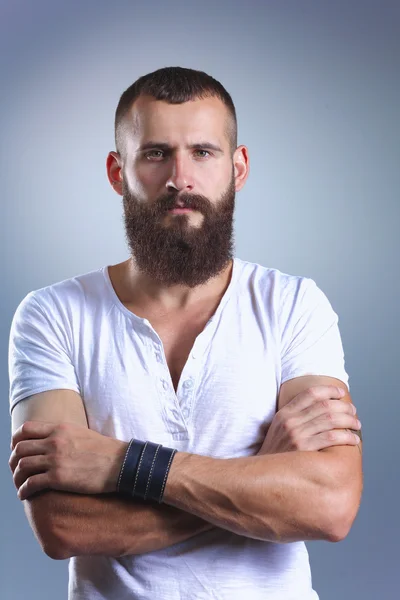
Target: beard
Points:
(178, 252)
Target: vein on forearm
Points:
(286, 496)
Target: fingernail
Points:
(342, 392)
(354, 409)
(359, 424)
(357, 439)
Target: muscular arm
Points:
(280, 497)
(67, 524)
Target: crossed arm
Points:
(279, 497)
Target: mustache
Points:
(193, 201)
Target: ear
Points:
(241, 166)
(114, 171)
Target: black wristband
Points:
(161, 469)
(127, 474)
(145, 470)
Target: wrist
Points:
(145, 470)
(118, 455)
(176, 477)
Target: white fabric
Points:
(269, 327)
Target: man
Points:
(237, 367)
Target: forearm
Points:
(108, 524)
(282, 497)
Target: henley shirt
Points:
(268, 327)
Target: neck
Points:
(136, 289)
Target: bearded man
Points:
(182, 421)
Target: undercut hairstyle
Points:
(174, 85)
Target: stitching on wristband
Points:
(123, 465)
(138, 469)
(151, 471)
(166, 474)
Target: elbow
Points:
(42, 519)
(51, 543)
(341, 511)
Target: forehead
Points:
(205, 119)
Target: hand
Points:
(313, 420)
(66, 457)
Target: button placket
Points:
(172, 416)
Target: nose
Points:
(181, 177)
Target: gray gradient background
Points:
(316, 85)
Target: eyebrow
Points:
(163, 146)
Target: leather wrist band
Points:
(161, 469)
(130, 463)
(145, 470)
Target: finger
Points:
(26, 448)
(32, 485)
(311, 395)
(327, 408)
(28, 466)
(335, 437)
(329, 422)
(32, 430)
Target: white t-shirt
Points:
(269, 327)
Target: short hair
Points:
(174, 85)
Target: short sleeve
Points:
(38, 359)
(310, 339)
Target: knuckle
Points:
(18, 450)
(64, 430)
(56, 444)
(312, 391)
(23, 463)
(25, 427)
(332, 435)
(289, 426)
(297, 443)
(325, 404)
(330, 416)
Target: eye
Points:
(156, 154)
(204, 153)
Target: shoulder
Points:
(286, 288)
(62, 296)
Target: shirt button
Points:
(188, 384)
(185, 412)
(165, 384)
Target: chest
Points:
(205, 385)
(178, 336)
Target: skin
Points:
(306, 481)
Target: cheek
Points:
(212, 176)
(218, 179)
(142, 179)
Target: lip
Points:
(178, 211)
